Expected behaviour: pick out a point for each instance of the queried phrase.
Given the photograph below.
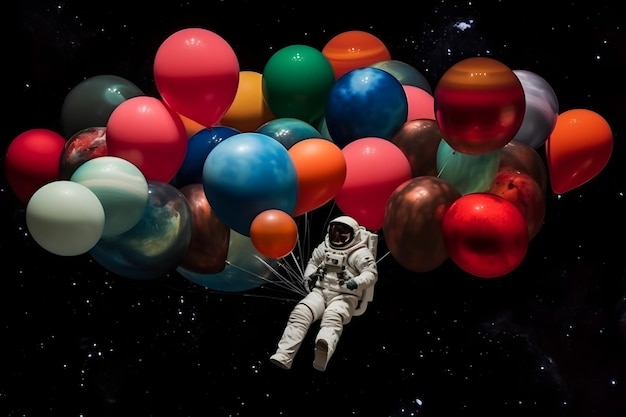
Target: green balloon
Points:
(296, 82)
(467, 173)
(90, 103)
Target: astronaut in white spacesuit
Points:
(341, 275)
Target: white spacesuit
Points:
(341, 274)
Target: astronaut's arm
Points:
(368, 272)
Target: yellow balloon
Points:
(249, 110)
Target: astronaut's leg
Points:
(303, 314)
(337, 314)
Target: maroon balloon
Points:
(210, 237)
(419, 140)
(523, 157)
(413, 222)
(84, 145)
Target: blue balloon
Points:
(198, 147)
(157, 244)
(365, 102)
(246, 175)
(288, 130)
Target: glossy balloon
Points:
(274, 233)
(249, 109)
(144, 131)
(365, 102)
(413, 222)
(405, 73)
(296, 83)
(65, 218)
(523, 157)
(522, 190)
(246, 268)
(121, 188)
(375, 167)
(542, 109)
(91, 102)
(578, 149)
(420, 103)
(198, 148)
(479, 105)
(467, 173)
(157, 244)
(419, 140)
(32, 160)
(197, 74)
(288, 131)
(84, 145)
(321, 171)
(247, 174)
(208, 248)
(485, 235)
(354, 49)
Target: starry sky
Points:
(548, 339)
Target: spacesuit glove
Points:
(309, 282)
(351, 284)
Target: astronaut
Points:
(341, 275)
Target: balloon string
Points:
(445, 163)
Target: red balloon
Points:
(321, 171)
(274, 233)
(32, 160)
(486, 235)
(413, 222)
(479, 105)
(197, 74)
(578, 149)
(144, 131)
(375, 167)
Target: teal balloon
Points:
(467, 173)
(157, 244)
(288, 130)
(246, 268)
(246, 175)
(405, 73)
(296, 82)
(91, 102)
(121, 188)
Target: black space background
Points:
(548, 339)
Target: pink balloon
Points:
(375, 167)
(197, 73)
(144, 131)
(421, 103)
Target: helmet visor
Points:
(340, 234)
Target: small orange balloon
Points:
(578, 148)
(274, 233)
(191, 127)
(249, 109)
(354, 49)
(321, 170)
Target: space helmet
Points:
(343, 231)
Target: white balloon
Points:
(65, 218)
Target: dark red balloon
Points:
(523, 157)
(419, 140)
(413, 222)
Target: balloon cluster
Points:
(210, 177)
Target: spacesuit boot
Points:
(325, 344)
(298, 324)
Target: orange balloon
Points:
(274, 233)
(321, 170)
(578, 148)
(354, 49)
(249, 109)
(191, 127)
